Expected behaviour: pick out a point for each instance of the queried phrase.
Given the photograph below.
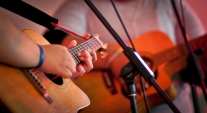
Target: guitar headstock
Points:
(102, 49)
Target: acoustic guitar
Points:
(32, 91)
(155, 46)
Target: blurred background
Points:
(50, 6)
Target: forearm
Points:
(15, 48)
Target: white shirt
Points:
(139, 16)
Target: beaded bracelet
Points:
(42, 57)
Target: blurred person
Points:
(140, 17)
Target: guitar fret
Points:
(86, 45)
(92, 44)
(95, 44)
(76, 57)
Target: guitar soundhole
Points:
(55, 78)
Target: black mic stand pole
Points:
(135, 59)
(193, 65)
(128, 72)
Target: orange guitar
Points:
(155, 46)
(32, 91)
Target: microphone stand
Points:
(135, 60)
(128, 73)
(193, 67)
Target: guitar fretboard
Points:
(92, 44)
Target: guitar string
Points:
(85, 43)
(92, 43)
(74, 52)
(69, 31)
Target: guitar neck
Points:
(92, 44)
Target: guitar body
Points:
(20, 95)
(149, 45)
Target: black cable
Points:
(142, 83)
(182, 14)
(122, 23)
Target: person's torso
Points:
(138, 16)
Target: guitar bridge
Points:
(37, 84)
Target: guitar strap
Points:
(29, 12)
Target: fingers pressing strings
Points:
(86, 57)
(93, 54)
